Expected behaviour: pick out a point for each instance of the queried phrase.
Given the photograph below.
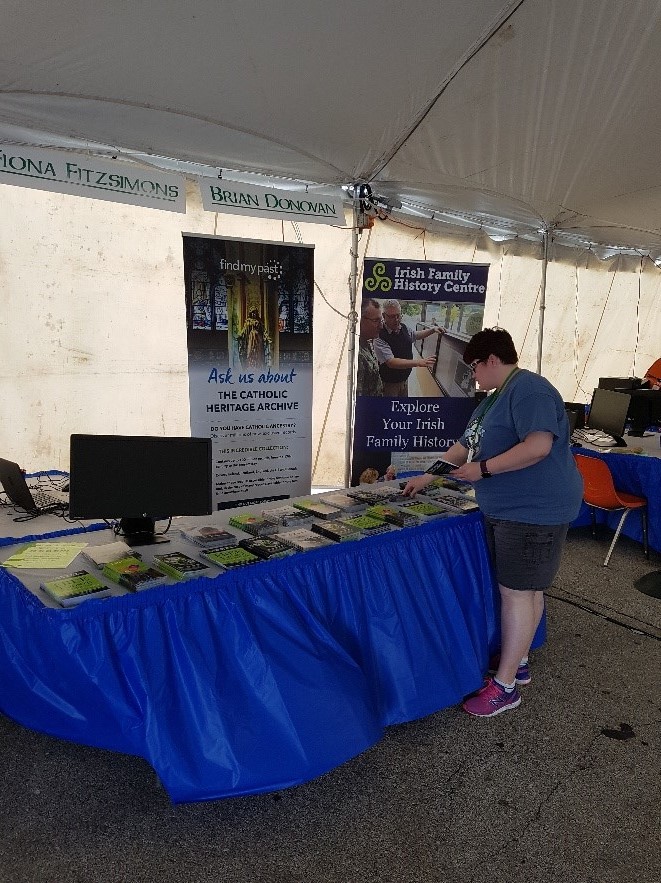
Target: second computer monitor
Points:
(644, 410)
(608, 412)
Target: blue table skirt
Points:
(634, 474)
(264, 677)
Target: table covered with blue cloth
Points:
(634, 474)
(263, 677)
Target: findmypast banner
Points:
(249, 323)
(406, 417)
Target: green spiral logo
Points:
(378, 279)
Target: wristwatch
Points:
(483, 469)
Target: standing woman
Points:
(515, 450)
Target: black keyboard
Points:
(44, 500)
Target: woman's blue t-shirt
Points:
(549, 492)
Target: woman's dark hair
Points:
(491, 342)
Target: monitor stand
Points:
(140, 532)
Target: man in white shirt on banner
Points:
(394, 350)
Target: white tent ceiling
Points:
(512, 114)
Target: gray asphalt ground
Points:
(566, 789)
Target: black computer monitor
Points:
(608, 413)
(619, 383)
(139, 480)
(644, 410)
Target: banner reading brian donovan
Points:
(316, 207)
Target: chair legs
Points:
(593, 518)
(646, 547)
(617, 533)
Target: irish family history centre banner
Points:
(249, 323)
(405, 416)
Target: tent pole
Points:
(353, 319)
(542, 300)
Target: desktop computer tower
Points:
(577, 408)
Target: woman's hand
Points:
(468, 472)
(417, 483)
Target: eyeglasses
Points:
(367, 319)
(473, 365)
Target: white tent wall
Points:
(619, 326)
(602, 318)
(93, 335)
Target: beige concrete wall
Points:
(93, 339)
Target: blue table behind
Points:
(635, 474)
(264, 677)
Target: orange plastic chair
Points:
(599, 492)
(653, 375)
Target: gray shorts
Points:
(526, 556)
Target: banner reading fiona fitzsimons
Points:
(249, 323)
(409, 411)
